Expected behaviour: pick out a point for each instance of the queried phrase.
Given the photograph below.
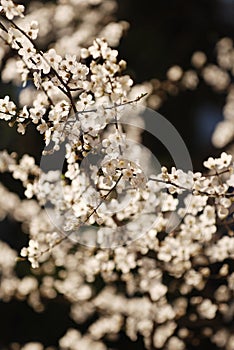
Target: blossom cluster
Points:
(161, 243)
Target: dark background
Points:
(167, 32)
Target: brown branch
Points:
(47, 250)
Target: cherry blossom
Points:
(132, 253)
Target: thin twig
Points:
(47, 250)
